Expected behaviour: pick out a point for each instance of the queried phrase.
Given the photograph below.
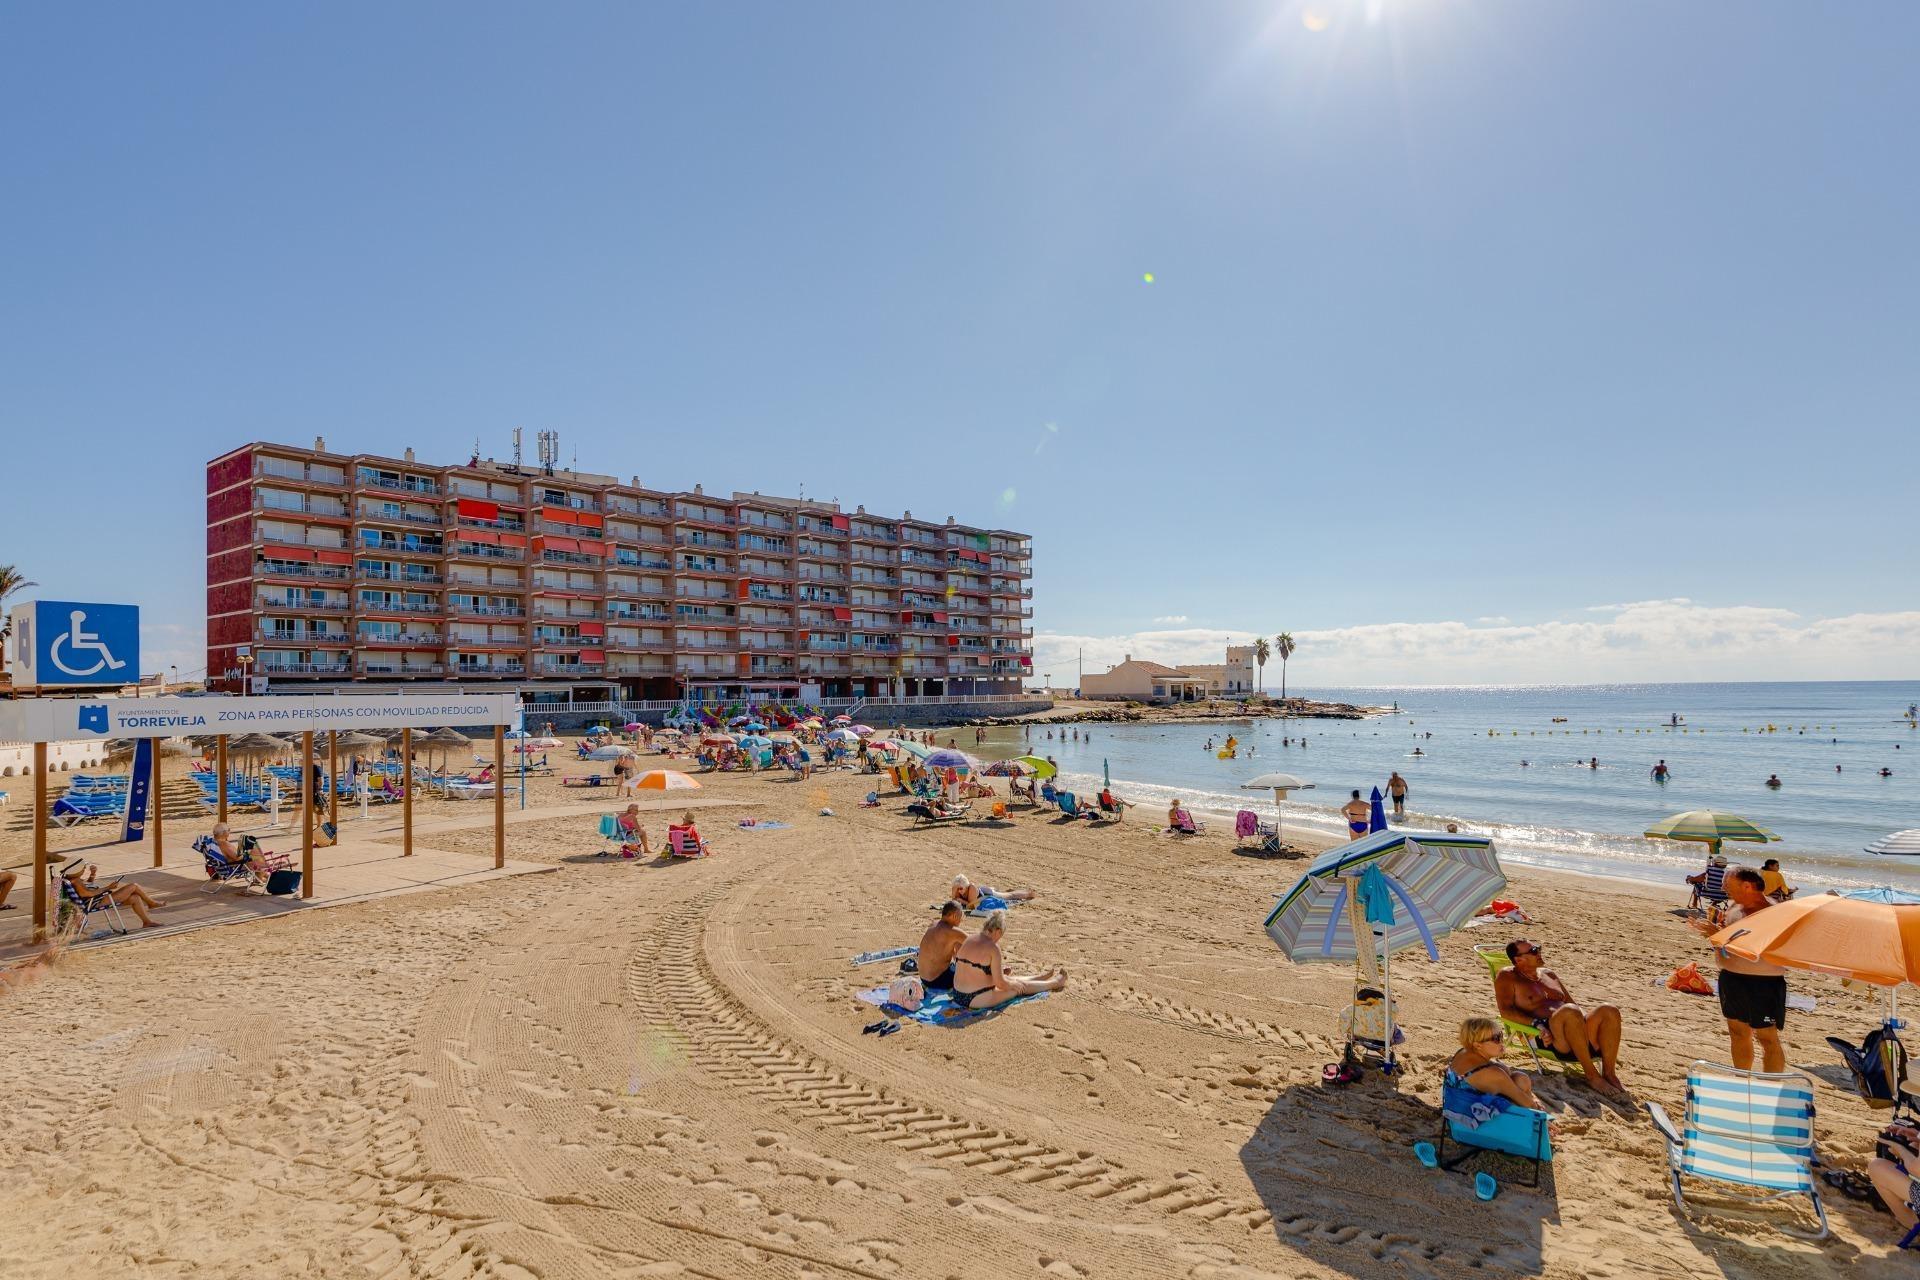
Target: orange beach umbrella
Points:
(1872, 935)
(665, 780)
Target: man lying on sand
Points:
(1528, 993)
(978, 980)
(937, 946)
(970, 895)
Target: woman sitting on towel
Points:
(975, 896)
(978, 980)
(1478, 1067)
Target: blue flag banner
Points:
(134, 826)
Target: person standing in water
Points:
(1397, 788)
(1358, 814)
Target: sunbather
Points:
(1528, 993)
(1898, 1186)
(1477, 1065)
(690, 835)
(971, 895)
(978, 980)
(7, 880)
(631, 832)
(234, 851)
(1180, 821)
(131, 896)
(937, 947)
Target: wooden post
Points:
(154, 803)
(333, 781)
(406, 793)
(306, 814)
(39, 842)
(220, 763)
(499, 796)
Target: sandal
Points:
(874, 1027)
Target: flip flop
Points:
(873, 1027)
(1484, 1186)
(1424, 1153)
(890, 1028)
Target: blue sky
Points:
(1471, 324)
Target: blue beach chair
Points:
(1747, 1128)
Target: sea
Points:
(1560, 776)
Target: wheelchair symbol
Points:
(77, 639)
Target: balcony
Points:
(304, 668)
(568, 502)
(294, 538)
(403, 484)
(715, 519)
(474, 610)
(372, 573)
(298, 472)
(364, 516)
(569, 557)
(506, 667)
(288, 569)
(549, 668)
(305, 639)
(372, 668)
(402, 640)
(302, 506)
(300, 604)
(483, 551)
(398, 606)
(501, 526)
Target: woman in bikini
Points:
(1477, 1065)
(130, 896)
(974, 896)
(978, 980)
(1359, 815)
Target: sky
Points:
(1467, 341)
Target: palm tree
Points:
(1260, 655)
(1283, 645)
(10, 582)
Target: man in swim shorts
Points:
(1528, 993)
(1357, 813)
(937, 947)
(1397, 788)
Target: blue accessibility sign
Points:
(63, 642)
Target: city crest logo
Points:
(93, 718)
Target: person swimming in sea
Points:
(1660, 773)
(1773, 780)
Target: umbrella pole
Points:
(1386, 985)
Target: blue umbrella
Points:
(1377, 820)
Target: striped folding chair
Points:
(1748, 1128)
(73, 906)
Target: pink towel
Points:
(1245, 823)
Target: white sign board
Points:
(66, 719)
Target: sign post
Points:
(68, 644)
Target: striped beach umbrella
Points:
(1439, 878)
(1709, 827)
(1900, 842)
(666, 780)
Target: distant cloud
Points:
(1498, 620)
(1174, 618)
(1651, 640)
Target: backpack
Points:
(1879, 1066)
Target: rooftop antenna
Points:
(516, 448)
(549, 442)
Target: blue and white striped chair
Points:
(1748, 1128)
(79, 909)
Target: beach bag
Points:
(906, 992)
(280, 884)
(1689, 979)
(1878, 1066)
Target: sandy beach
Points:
(631, 1069)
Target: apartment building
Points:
(326, 569)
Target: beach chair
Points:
(1477, 1128)
(220, 872)
(1711, 893)
(681, 843)
(924, 813)
(1071, 807)
(1184, 824)
(1538, 1047)
(75, 908)
(1745, 1128)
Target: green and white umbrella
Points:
(1709, 827)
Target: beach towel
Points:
(939, 1010)
(609, 827)
(1246, 825)
(762, 824)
